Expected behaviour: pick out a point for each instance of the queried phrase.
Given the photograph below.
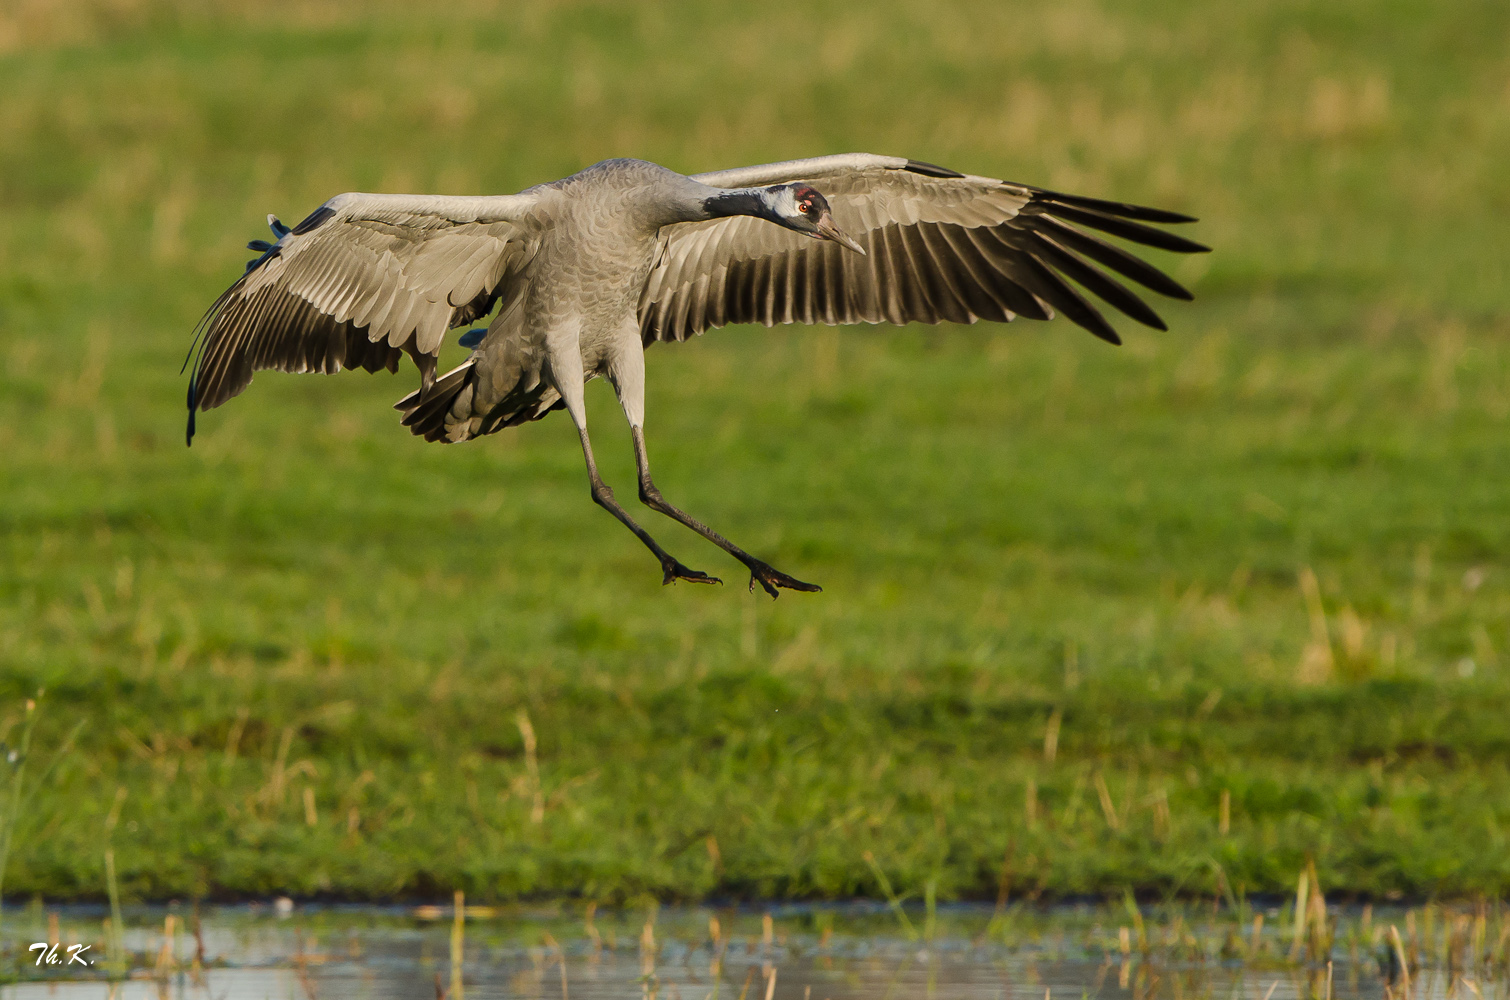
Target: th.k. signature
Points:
(47, 954)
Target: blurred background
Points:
(1182, 617)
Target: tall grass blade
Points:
(891, 897)
(458, 943)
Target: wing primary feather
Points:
(1114, 257)
(273, 323)
(955, 275)
(998, 254)
(980, 279)
(208, 318)
(313, 220)
(1068, 301)
(1136, 232)
(1118, 208)
(922, 276)
(908, 283)
(1113, 292)
(930, 169)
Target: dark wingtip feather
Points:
(189, 430)
(313, 220)
(1125, 228)
(1114, 257)
(1053, 254)
(930, 169)
(196, 354)
(1118, 208)
(1070, 303)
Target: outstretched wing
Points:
(362, 279)
(940, 246)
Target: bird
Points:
(581, 275)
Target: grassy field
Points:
(1212, 604)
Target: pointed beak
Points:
(828, 231)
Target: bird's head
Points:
(801, 208)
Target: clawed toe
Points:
(770, 578)
(676, 571)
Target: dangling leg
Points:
(569, 384)
(768, 576)
(628, 377)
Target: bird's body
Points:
(587, 271)
(584, 280)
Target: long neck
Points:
(736, 201)
(723, 203)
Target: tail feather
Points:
(447, 413)
(426, 413)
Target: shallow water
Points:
(784, 953)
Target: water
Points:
(812, 953)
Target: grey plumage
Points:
(589, 270)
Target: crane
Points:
(587, 272)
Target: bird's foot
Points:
(770, 578)
(676, 571)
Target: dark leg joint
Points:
(652, 498)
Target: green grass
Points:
(1012, 524)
